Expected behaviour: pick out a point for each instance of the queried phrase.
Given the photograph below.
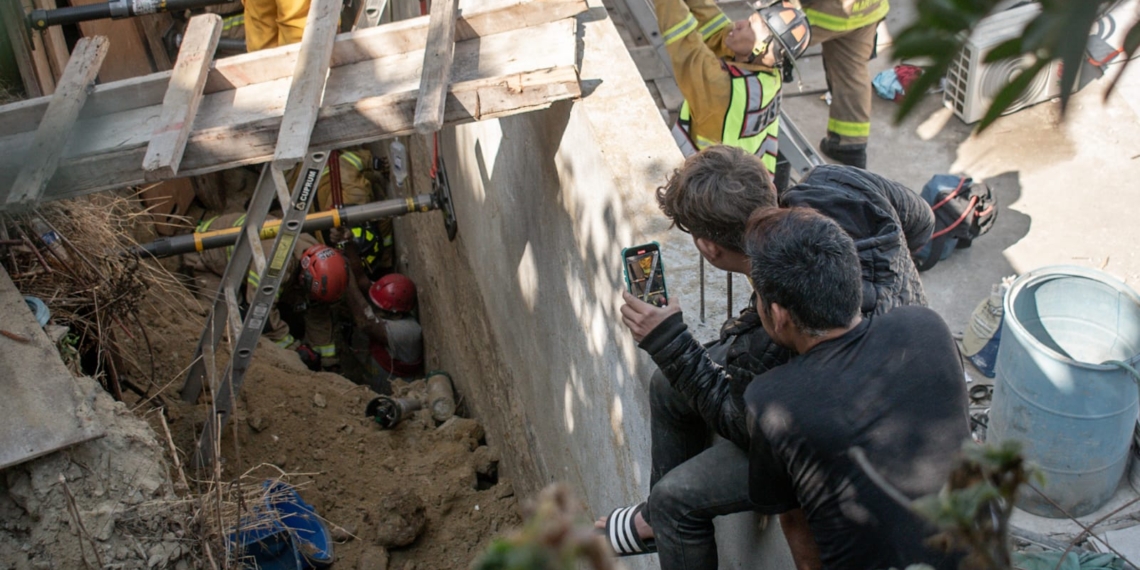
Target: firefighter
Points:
(846, 31)
(387, 323)
(321, 272)
(728, 72)
(358, 169)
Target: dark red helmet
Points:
(393, 293)
(324, 273)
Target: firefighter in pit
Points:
(347, 180)
(728, 72)
(395, 338)
(321, 272)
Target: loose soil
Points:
(420, 496)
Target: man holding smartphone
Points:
(697, 391)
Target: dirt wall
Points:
(104, 503)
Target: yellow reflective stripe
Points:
(325, 350)
(285, 342)
(388, 240)
(844, 24)
(352, 159)
(204, 225)
(702, 142)
(237, 224)
(714, 25)
(846, 129)
(254, 278)
(680, 30)
(234, 21)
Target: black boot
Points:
(849, 154)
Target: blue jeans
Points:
(691, 481)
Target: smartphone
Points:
(645, 274)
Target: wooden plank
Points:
(47, 147)
(20, 40)
(308, 87)
(649, 64)
(54, 42)
(40, 59)
(438, 55)
(235, 72)
(150, 28)
(671, 95)
(180, 105)
(40, 412)
(128, 56)
(167, 203)
(367, 101)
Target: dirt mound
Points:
(418, 496)
(105, 503)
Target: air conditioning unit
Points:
(972, 84)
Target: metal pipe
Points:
(43, 19)
(346, 216)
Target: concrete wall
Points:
(523, 307)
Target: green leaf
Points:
(1081, 15)
(1005, 50)
(1131, 43)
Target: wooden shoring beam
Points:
(184, 93)
(19, 36)
(438, 55)
(54, 42)
(370, 100)
(44, 154)
(308, 85)
(235, 72)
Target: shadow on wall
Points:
(524, 306)
(957, 284)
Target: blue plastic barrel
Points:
(1073, 414)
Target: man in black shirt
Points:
(888, 387)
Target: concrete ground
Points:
(1067, 188)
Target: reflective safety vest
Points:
(751, 120)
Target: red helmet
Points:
(324, 273)
(393, 293)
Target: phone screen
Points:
(646, 276)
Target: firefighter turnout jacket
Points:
(844, 15)
(726, 102)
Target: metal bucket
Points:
(1073, 414)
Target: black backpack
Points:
(963, 210)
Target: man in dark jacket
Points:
(699, 391)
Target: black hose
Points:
(42, 19)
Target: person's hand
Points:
(642, 317)
(340, 234)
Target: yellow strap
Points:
(847, 129)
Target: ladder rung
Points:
(282, 187)
(234, 316)
(254, 240)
